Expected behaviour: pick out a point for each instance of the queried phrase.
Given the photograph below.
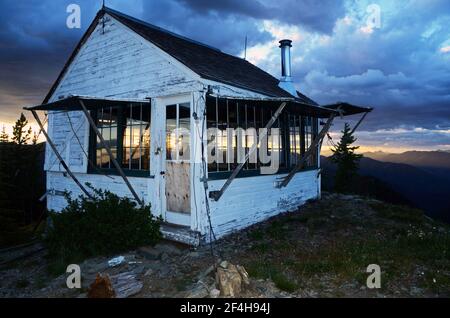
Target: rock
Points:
(208, 271)
(138, 269)
(165, 257)
(150, 253)
(244, 275)
(194, 254)
(229, 281)
(148, 272)
(126, 284)
(168, 248)
(116, 261)
(215, 293)
(101, 288)
(224, 264)
(199, 291)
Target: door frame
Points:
(183, 219)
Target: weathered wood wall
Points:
(254, 199)
(114, 62)
(120, 64)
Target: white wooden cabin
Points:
(139, 82)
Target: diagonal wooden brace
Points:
(58, 155)
(110, 154)
(216, 195)
(359, 122)
(314, 146)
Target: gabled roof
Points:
(209, 63)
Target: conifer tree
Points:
(4, 137)
(346, 159)
(21, 135)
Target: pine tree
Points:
(4, 137)
(35, 138)
(20, 135)
(346, 160)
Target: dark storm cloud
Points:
(401, 69)
(34, 44)
(315, 15)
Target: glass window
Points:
(296, 134)
(227, 117)
(178, 123)
(126, 131)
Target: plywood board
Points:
(178, 190)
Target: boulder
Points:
(214, 293)
(126, 284)
(244, 275)
(229, 280)
(101, 288)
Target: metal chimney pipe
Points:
(285, 46)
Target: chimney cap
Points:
(285, 42)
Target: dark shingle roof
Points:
(208, 62)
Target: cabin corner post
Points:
(58, 155)
(110, 154)
(199, 161)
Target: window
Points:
(178, 121)
(302, 131)
(126, 131)
(296, 134)
(229, 116)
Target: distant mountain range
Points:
(421, 179)
(437, 162)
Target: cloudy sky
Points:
(400, 67)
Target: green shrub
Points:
(104, 225)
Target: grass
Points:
(276, 274)
(340, 239)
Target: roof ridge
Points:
(148, 24)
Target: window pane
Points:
(145, 159)
(135, 159)
(250, 138)
(128, 127)
(184, 139)
(222, 138)
(171, 125)
(126, 158)
(105, 159)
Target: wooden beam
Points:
(61, 160)
(216, 195)
(359, 122)
(314, 146)
(110, 154)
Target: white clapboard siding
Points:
(114, 62)
(58, 182)
(254, 199)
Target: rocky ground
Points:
(321, 250)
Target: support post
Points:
(359, 122)
(61, 160)
(314, 146)
(216, 195)
(110, 154)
